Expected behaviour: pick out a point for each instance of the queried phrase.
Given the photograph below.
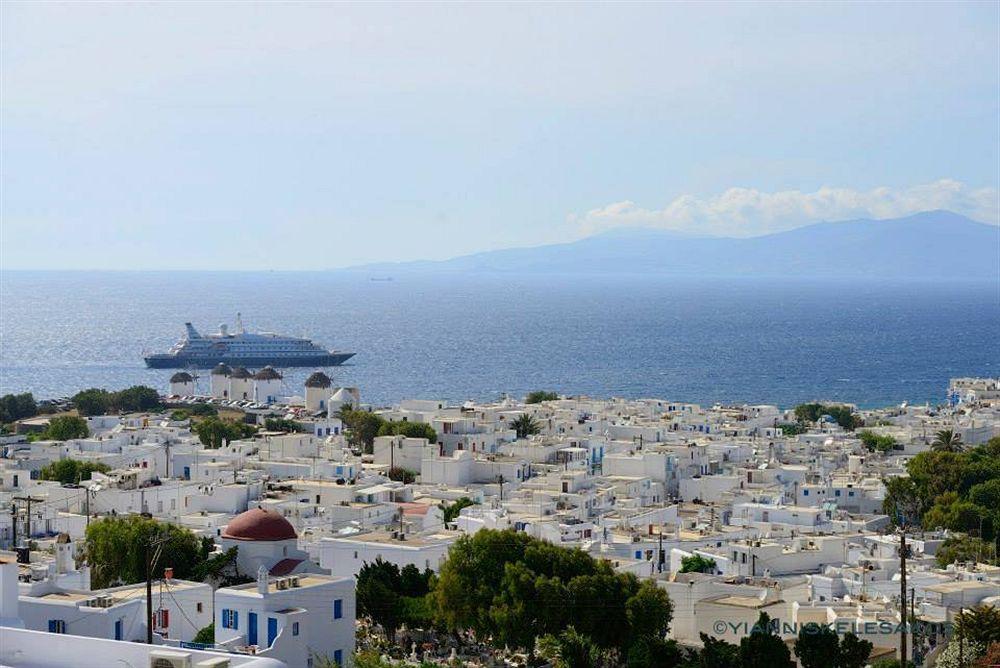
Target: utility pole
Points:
(659, 556)
(913, 618)
(150, 563)
(28, 499)
(13, 525)
(902, 595)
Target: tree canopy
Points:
(820, 647)
(391, 597)
(452, 511)
(538, 396)
(875, 442)
(214, 432)
(69, 471)
(762, 647)
(843, 415)
(408, 429)
(360, 427)
(509, 586)
(96, 401)
(958, 491)
(15, 407)
(697, 564)
(65, 427)
(115, 549)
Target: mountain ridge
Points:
(928, 245)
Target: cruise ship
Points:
(203, 351)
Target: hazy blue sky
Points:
(285, 136)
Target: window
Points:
(199, 606)
(338, 608)
(295, 628)
(805, 492)
(57, 626)
(836, 493)
(230, 619)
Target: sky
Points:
(310, 136)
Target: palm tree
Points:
(947, 440)
(525, 426)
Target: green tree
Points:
(452, 511)
(816, 646)
(947, 440)
(875, 442)
(807, 413)
(281, 424)
(649, 652)
(979, 625)
(68, 471)
(570, 649)
(408, 429)
(538, 396)
(399, 474)
(115, 549)
(135, 399)
(361, 427)
(15, 407)
(792, 428)
(962, 548)
(525, 425)
(649, 611)
(853, 652)
(902, 501)
(94, 401)
(717, 653)
(214, 433)
(763, 648)
(66, 427)
(697, 564)
(206, 635)
(378, 598)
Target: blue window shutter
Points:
(338, 609)
(236, 619)
(52, 626)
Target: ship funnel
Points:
(239, 324)
(192, 333)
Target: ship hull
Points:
(207, 362)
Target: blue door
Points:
(272, 630)
(187, 472)
(118, 630)
(252, 629)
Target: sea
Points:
(478, 337)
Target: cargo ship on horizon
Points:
(242, 348)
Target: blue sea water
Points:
(475, 337)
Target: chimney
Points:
(262, 581)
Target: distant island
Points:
(929, 245)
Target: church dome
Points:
(259, 525)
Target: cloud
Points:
(744, 212)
